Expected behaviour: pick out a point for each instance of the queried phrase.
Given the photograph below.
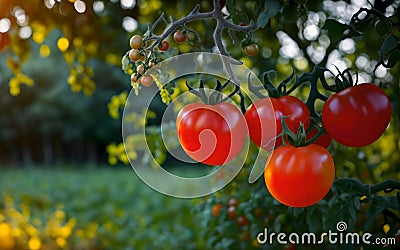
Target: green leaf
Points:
(382, 27)
(362, 26)
(357, 202)
(335, 29)
(390, 43)
(290, 14)
(313, 219)
(271, 9)
(393, 59)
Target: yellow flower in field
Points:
(34, 243)
(91, 230)
(5, 229)
(31, 230)
(7, 243)
(59, 215)
(61, 242)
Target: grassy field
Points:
(97, 208)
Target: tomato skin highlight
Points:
(212, 135)
(357, 116)
(264, 119)
(299, 177)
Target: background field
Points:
(91, 208)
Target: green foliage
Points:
(112, 209)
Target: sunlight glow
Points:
(128, 4)
(129, 24)
(80, 6)
(25, 32)
(5, 25)
(98, 7)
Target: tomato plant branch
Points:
(368, 190)
(216, 13)
(222, 24)
(216, 95)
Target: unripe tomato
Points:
(140, 69)
(134, 54)
(136, 42)
(134, 77)
(251, 49)
(146, 80)
(179, 37)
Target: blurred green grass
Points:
(124, 212)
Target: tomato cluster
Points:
(295, 176)
(241, 221)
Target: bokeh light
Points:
(128, 4)
(25, 32)
(44, 50)
(5, 25)
(80, 6)
(129, 24)
(63, 44)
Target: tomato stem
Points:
(216, 95)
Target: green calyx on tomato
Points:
(271, 118)
(299, 177)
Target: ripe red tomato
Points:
(357, 116)
(233, 202)
(265, 114)
(213, 135)
(299, 177)
(324, 140)
(232, 213)
(242, 221)
(164, 45)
